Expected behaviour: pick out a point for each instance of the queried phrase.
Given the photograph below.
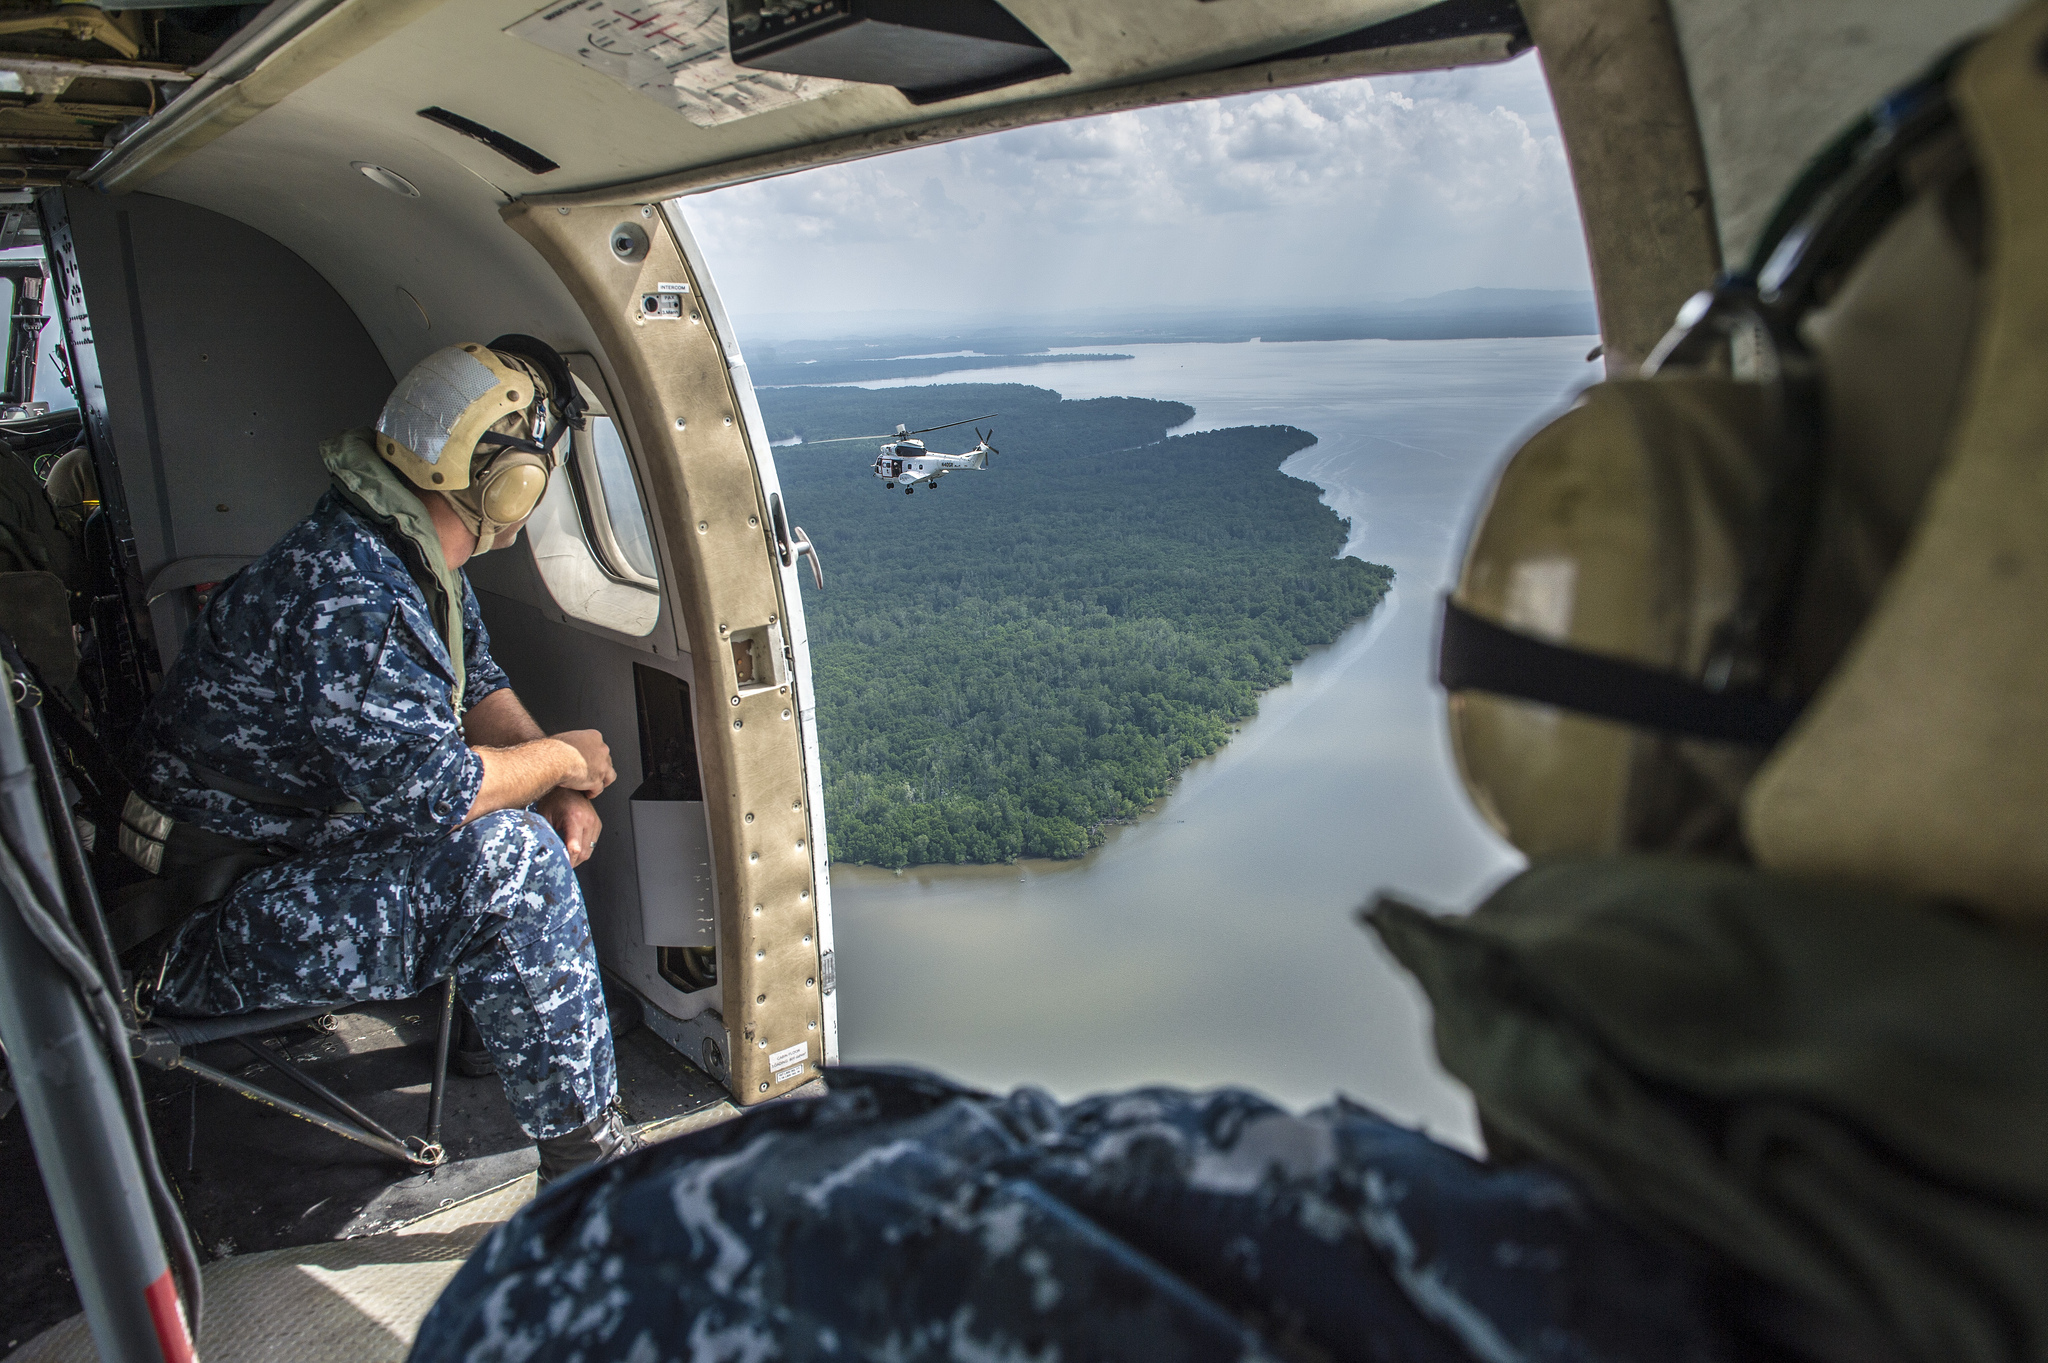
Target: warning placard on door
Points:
(673, 51)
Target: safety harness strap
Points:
(162, 904)
(255, 794)
(1477, 655)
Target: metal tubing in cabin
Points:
(76, 1122)
(319, 1090)
(440, 1090)
(300, 1110)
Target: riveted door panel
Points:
(683, 390)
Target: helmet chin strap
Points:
(473, 520)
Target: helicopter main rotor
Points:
(900, 434)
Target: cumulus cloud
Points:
(1335, 193)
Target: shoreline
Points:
(1115, 831)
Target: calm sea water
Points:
(1215, 941)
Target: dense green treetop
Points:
(1008, 662)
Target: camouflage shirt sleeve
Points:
(391, 730)
(481, 673)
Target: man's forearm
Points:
(499, 721)
(521, 764)
(515, 777)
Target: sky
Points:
(1355, 191)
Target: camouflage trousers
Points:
(495, 904)
(904, 1218)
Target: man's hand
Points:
(520, 775)
(575, 818)
(595, 755)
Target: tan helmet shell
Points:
(1616, 529)
(1919, 765)
(442, 407)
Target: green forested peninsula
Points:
(1007, 662)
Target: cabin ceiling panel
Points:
(1774, 82)
(459, 57)
(288, 170)
(420, 273)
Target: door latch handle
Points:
(778, 520)
(804, 548)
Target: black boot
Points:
(471, 1058)
(598, 1142)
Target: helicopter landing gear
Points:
(933, 485)
(907, 491)
(889, 485)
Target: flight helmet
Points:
(481, 424)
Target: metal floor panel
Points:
(358, 1300)
(257, 1183)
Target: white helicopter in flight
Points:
(904, 459)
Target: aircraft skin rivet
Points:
(761, 999)
(761, 954)
(728, 421)
(799, 844)
(647, 212)
(750, 818)
(753, 522)
(812, 1025)
(764, 1088)
(735, 700)
(811, 983)
(702, 526)
(785, 714)
(681, 424)
(563, 211)
(753, 856)
(739, 724)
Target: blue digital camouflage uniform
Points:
(904, 1218)
(317, 672)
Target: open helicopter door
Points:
(728, 940)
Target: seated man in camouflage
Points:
(335, 719)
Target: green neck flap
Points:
(380, 494)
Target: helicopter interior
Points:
(284, 215)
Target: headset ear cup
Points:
(514, 489)
(1619, 530)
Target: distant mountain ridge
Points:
(769, 374)
(1461, 314)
